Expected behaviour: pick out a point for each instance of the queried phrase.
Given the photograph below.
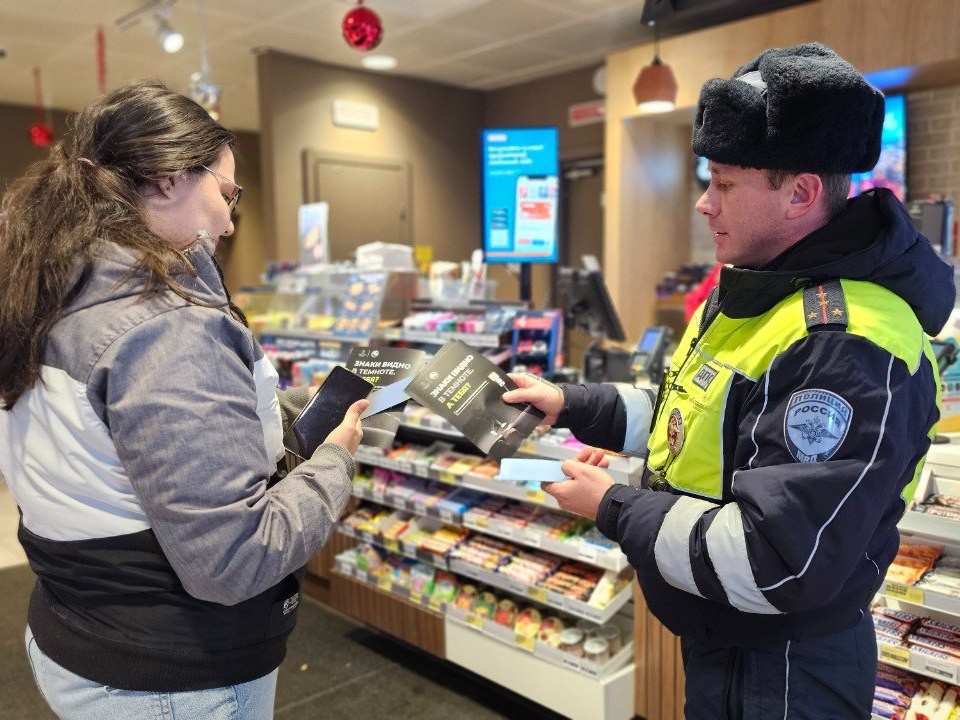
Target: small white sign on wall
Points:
(357, 115)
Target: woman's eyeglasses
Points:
(232, 199)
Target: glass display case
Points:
(335, 303)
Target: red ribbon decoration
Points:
(101, 61)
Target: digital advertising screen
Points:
(891, 169)
(521, 194)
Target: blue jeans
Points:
(75, 698)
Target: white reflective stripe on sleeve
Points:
(639, 412)
(268, 407)
(672, 548)
(727, 546)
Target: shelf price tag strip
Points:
(903, 592)
(895, 655)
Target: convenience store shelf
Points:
(397, 547)
(921, 597)
(417, 508)
(439, 337)
(574, 695)
(269, 336)
(577, 550)
(425, 602)
(545, 652)
(580, 550)
(543, 596)
(918, 523)
(621, 468)
(531, 593)
(919, 662)
(514, 491)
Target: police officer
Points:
(797, 410)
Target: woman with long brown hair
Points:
(141, 426)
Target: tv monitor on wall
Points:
(891, 169)
(521, 194)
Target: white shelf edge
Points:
(553, 656)
(935, 668)
(572, 694)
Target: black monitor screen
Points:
(587, 304)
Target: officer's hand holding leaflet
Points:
(348, 433)
(588, 483)
(584, 490)
(545, 397)
(593, 456)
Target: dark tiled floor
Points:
(334, 669)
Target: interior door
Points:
(369, 199)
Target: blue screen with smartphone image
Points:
(521, 194)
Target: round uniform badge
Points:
(675, 431)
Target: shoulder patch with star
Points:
(824, 304)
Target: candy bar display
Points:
(945, 506)
(575, 580)
(944, 578)
(485, 552)
(912, 561)
(530, 568)
(437, 542)
(893, 625)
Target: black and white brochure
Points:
(382, 367)
(464, 387)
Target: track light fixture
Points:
(170, 39)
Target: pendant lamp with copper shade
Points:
(655, 89)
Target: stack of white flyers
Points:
(516, 470)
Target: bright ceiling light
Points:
(379, 62)
(171, 40)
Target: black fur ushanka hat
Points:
(803, 109)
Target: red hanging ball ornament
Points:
(362, 28)
(41, 134)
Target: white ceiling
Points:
(480, 44)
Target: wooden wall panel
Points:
(892, 33)
(659, 684)
(388, 613)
